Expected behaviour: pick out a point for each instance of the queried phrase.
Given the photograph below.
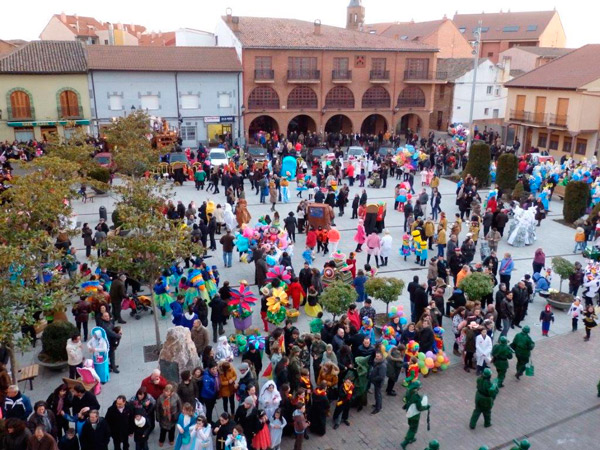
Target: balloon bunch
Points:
(459, 136)
(241, 302)
(264, 236)
(398, 311)
(430, 361)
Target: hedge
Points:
(577, 196)
(506, 172)
(478, 165)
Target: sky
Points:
(26, 21)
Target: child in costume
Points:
(161, 295)
(367, 329)
(405, 249)
(412, 373)
(546, 316)
(438, 333)
(423, 253)
(308, 256)
(589, 320)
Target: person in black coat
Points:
(217, 315)
(83, 399)
(212, 229)
(425, 337)
(330, 199)
(223, 429)
(290, 224)
(355, 204)
(119, 417)
(253, 355)
(319, 197)
(319, 410)
(421, 301)
(95, 433)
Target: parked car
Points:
(217, 157)
(356, 152)
(178, 157)
(257, 153)
(104, 159)
(384, 151)
(319, 152)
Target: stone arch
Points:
(263, 123)
(340, 97)
(411, 97)
(302, 97)
(263, 97)
(302, 123)
(70, 98)
(337, 123)
(374, 124)
(376, 97)
(20, 106)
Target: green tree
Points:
(518, 192)
(577, 196)
(385, 289)
(337, 297)
(154, 242)
(506, 172)
(476, 286)
(563, 268)
(478, 165)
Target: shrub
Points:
(385, 289)
(54, 340)
(101, 174)
(337, 297)
(518, 192)
(577, 195)
(478, 165)
(506, 171)
(476, 286)
(563, 268)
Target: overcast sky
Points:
(26, 20)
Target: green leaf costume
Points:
(484, 399)
(522, 344)
(501, 353)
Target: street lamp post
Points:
(476, 44)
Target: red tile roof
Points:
(87, 26)
(163, 59)
(41, 57)
(263, 32)
(166, 39)
(570, 71)
(535, 21)
(412, 30)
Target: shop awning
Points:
(49, 123)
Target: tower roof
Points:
(354, 3)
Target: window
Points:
(495, 113)
(531, 27)
(150, 102)
(341, 64)
(486, 111)
(376, 97)
(411, 96)
(340, 97)
(489, 90)
(263, 97)
(553, 142)
(188, 133)
(485, 29)
(262, 62)
(417, 68)
(511, 29)
(224, 100)
(115, 103)
(302, 67)
(302, 97)
(490, 54)
(378, 65)
(581, 146)
(69, 132)
(20, 104)
(24, 134)
(442, 91)
(567, 142)
(542, 140)
(190, 101)
(69, 104)
(462, 29)
(497, 92)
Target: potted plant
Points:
(240, 306)
(337, 297)
(476, 286)
(387, 290)
(564, 269)
(54, 344)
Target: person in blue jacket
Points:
(209, 390)
(177, 310)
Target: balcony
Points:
(304, 76)
(21, 113)
(424, 76)
(532, 118)
(410, 103)
(341, 76)
(557, 120)
(71, 113)
(264, 76)
(379, 76)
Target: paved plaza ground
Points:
(557, 408)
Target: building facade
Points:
(307, 77)
(556, 107)
(43, 91)
(196, 89)
(504, 30)
(524, 59)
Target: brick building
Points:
(306, 76)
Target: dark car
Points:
(319, 152)
(384, 151)
(257, 153)
(178, 157)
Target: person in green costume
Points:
(433, 445)
(362, 381)
(523, 445)
(414, 405)
(522, 344)
(484, 399)
(501, 353)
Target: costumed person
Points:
(98, 346)
(414, 405)
(501, 353)
(386, 247)
(484, 399)
(269, 398)
(405, 249)
(522, 344)
(162, 299)
(523, 445)
(319, 410)
(241, 212)
(342, 406)
(546, 317)
(360, 237)
(229, 217)
(223, 351)
(589, 321)
(89, 375)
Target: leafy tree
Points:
(563, 268)
(337, 297)
(506, 171)
(385, 289)
(154, 242)
(478, 165)
(476, 286)
(577, 195)
(128, 139)
(518, 192)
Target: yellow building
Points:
(43, 89)
(556, 107)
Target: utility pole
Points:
(476, 45)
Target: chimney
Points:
(132, 28)
(228, 14)
(317, 27)
(445, 17)
(63, 17)
(235, 23)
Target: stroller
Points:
(375, 180)
(137, 304)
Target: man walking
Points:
(501, 353)
(522, 344)
(227, 242)
(377, 377)
(117, 294)
(484, 399)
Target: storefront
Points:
(31, 130)
(217, 127)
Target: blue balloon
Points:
(403, 321)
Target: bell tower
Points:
(355, 17)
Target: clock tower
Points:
(355, 17)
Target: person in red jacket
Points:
(311, 239)
(155, 383)
(353, 316)
(296, 292)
